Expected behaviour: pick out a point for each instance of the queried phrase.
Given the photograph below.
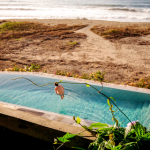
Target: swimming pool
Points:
(79, 100)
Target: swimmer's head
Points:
(56, 83)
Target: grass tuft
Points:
(9, 30)
(121, 32)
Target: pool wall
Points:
(43, 125)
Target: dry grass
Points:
(9, 30)
(109, 32)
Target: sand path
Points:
(123, 59)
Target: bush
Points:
(97, 76)
(142, 83)
(33, 67)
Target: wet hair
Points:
(56, 83)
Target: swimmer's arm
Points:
(55, 90)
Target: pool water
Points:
(79, 100)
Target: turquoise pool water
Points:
(79, 100)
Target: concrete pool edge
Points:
(43, 125)
(110, 85)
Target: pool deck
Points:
(48, 125)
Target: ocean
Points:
(111, 10)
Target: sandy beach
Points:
(122, 60)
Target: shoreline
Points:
(70, 21)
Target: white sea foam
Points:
(72, 10)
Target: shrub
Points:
(64, 73)
(142, 83)
(33, 67)
(98, 76)
(110, 32)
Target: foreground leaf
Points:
(108, 102)
(147, 136)
(98, 125)
(113, 99)
(87, 85)
(109, 145)
(63, 140)
(117, 147)
(78, 121)
(130, 143)
(66, 137)
(105, 129)
(139, 130)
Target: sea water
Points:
(112, 10)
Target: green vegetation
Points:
(16, 30)
(31, 68)
(18, 26)
(142, 83)
(72, 43)
(9, 30)
(97, 76)
(121, 32)
(18, 39)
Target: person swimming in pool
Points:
(59, 89)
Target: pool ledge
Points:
(42, 124)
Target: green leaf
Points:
(62, 139)
(113, 99)
(108, 102)
(131, 132)
(87, 85)
(147, 136)
(139, 130)
(66, 137)
(130, 143)
(78, 121)
(127, 130)
(105, 129)
(117, 147)
(108, 145)
(98, 125)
